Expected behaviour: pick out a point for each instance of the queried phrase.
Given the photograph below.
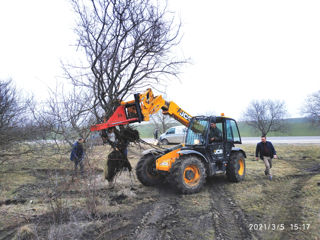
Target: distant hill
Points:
(295, 127)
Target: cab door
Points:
(232, 135)
(216, 148)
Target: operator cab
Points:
(198, 132)
(201, 132)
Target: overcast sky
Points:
(240, 50)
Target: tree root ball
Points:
(129, 134)
(115, 163)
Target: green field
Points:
(294, 127)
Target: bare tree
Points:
(11, 110)
(311, 108)
(66, 115)
(16, 126)
(266, 115)
(127, 45)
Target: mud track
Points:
(210, 214)
(155, 223)
(230, 221)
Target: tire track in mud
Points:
(230, 221)
(210, 214)
(154, 223)
(175, 216)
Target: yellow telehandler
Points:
(187, 165)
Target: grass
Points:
(11, 181)
(291, 198)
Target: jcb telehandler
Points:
(187, 165)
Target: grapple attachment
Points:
(126, 113)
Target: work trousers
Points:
(80, 163)
(268, 164)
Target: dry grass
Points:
(292, 198)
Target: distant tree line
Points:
(66, 116)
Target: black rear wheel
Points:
(236, 168)
(146, 170)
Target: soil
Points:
(63, 206)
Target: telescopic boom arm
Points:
(140, 109)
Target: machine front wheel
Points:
(188, 174)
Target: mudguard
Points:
(211, 166)
(188, 152)
(152, 151)
(236, 149)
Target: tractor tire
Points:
(188, 174)
(236, 168)
(146, 171)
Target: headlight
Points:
(164, 164)
(196, 141)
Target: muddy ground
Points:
(49, 202)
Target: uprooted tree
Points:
(266, 115)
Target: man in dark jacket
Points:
(77, 155)
(266, 152)
(215, 134)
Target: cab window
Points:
(232, 132)
(219, 126)
(196, 132)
